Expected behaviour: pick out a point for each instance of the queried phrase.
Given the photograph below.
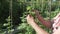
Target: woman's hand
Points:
(30, 19)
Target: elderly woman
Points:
(53, 24)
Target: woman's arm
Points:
(38, 29)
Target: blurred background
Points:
(13, 14)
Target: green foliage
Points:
(20, 9)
